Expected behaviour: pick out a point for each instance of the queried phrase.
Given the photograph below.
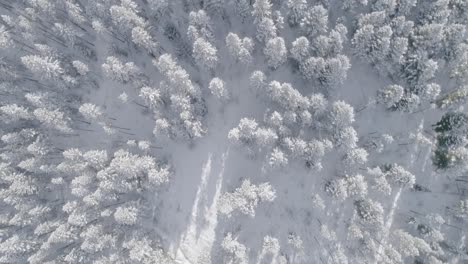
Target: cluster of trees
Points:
(234, 251)
(451, 151)
(75, 211)
(291, 125)
(245, 199)
(319, 54)
(412, 52)
(62, 205)
(395, 97)
(182, 99)
(240, 49)
(201, 34)
(420, 45)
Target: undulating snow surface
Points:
(233, 131)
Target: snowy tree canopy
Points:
(239, 131)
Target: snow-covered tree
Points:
(357, 185)
(328, 72)
(240, 49)
(205, 54)
(398, 175)
(125, 16)
(91, 111)
(80, 67)
(314, 21)
(261, 9)
(300, 49)
(53, 119)
(275, 52)
(257, 82)
(116, 70)
(429, 92)
(234, 252)
(355, 157)
(14, 113)
(44, 67)
(141, 37)
(218, 89)
(337, 189)
(452, 130)
(346, 138)
(186, 107)
(372, 43)
(410, 246)
(213, 6)
(246, 198)
(68, 65)
(391, 95)
(370, 212)
(265, 137)
(245, 132)
(277, 159)
(418, 68)
(297, 10)
(341, 114)
(266, 29)
(457, 96)
(200, 26)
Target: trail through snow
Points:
(195, 242)
(388, 224)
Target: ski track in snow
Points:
(194, 242)
(388, 224)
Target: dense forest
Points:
(233, 131)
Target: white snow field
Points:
(233, 131)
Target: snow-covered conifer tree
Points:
(44, 67)
(275, 52)
(315, 21)
(218, 89)
(240, 48)
(116, 70)
(205, 54)
(370, 212)
(300, 49)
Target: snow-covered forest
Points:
(233, 131)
